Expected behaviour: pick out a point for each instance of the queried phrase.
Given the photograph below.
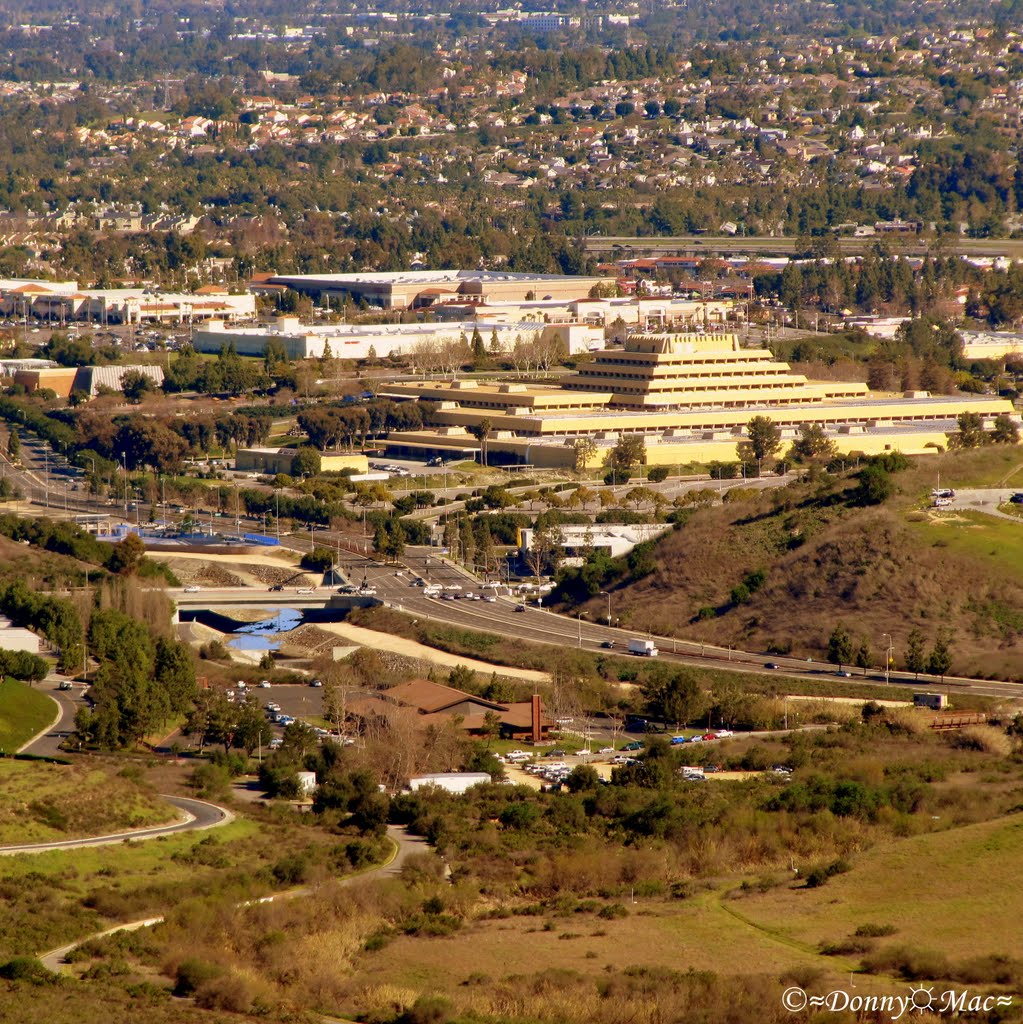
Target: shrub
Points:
(909, 964)
(193, 973)
(657, 474)
(612, 911)
(875, 931)
(26, 968)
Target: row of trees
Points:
(141, 682)
(844, 650)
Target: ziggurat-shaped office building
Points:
(689, 395)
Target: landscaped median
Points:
(24, 712)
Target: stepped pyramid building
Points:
(689, 395)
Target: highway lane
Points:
(559, 630)
(198, 816)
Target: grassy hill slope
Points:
(877, 570)
(42, 802)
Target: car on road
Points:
(348, 589)
(276, 588)
(607, 750)
(453, 586)
(316, 682)
(306, 590)
(272, 706)
(192, 589)
(489, 598)
(724, 733)
(264, 684)
(520, 607)
(608, 645)
(844, 674)
(1017, 498)
(634, 745)
(555, 753)
(64, 684)
(770, 664)
(275, 743)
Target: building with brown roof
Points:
(437, 704)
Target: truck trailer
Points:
(645, 648)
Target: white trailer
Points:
(453, 782)
(645, 648)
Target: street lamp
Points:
(887, 657)
(124, 466)
(579, 617)
(607, 594)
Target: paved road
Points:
(545, 627)
(986, 500)
(199, 815)
(47, 744)
(405, 846)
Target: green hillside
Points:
(23, 713)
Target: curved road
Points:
(47, 743)
(405, 845)
(199, 815)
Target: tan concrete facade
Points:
(690, 397)
(278, 460)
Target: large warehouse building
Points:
(689, 395)
(420, 289)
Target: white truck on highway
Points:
(645, 648)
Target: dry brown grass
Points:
(865, 568)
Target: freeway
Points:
(542, 626)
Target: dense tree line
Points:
(140, 684)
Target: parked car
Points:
(634, 745)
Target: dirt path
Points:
(410, 648)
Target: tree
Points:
(306, 462)
(543, 549)
(481, 431)
(940, 659)
(971, 431)
(875, 486)
(629, 452)
(14, 446)
(864, 656)
(585, 449)
(840, 647)
(916, 659)
(763, 440)
(136, 385)
(1005, 431)
(811, 444)
(127, 555)
(677, 698)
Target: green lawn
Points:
(23, 713)
(956, 891)
(976, 535)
